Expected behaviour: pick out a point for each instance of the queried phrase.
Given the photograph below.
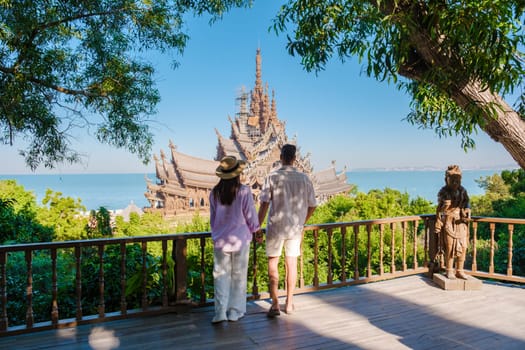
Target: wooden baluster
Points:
(415, 244)
(4, 321)
(54, 288)
(343, 254)
(144, 275)
(381, 248)
(78, 282)
(474, 267)
(404, 245)
(509, 263)
(165, 273)
(255, 286)
(301, 266)
(427, 242)
(393, 248)
(203, 271)
(123, 280)
(316, 258)
(329, 233)
(369, 251)
(29, 289)
(101, 302)
(491, 262)
(356, 252)
(181, 270)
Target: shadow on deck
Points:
(403, 313)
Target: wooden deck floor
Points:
(405, 313)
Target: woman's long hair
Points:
(226, 190)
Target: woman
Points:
(233, 218)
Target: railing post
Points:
(316, 258)
(29, 289)
(474, 266)
(356, 252)
(343, 254)
(123, 280)
(381, 248)
(101, 282)
(255, 286)
(433, 247)
(54, 288)
(416, 264)
(144, 299)
(369, 251)
(404, 245)
(509, 262)
(491, 262)
(301, 265)
(78, 282)
(393, 248)
(4, 322)
(330, 277)
(203, 267)
(181, 270)
(165, 281)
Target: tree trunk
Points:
(507, 128)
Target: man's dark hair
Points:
(288, 152)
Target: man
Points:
(452, 217)
(289, 194)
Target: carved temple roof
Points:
(256, 136)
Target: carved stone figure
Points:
(452, 217)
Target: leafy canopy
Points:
(79, 64)
(440, 46)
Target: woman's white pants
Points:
(230, 270)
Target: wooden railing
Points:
(334, 255)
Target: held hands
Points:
(258, 235)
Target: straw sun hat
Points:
(230, 167)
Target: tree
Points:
(63, 214)
(18, 216)
(457, 59)
(71, 64)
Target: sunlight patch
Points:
(103, 339)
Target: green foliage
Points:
(62, 214)
(18, 216)
(433, 50)
(79, 64)
(375, 204)
(516, 180)
(99, 224)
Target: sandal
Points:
(273, 312)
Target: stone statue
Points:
(452, 217)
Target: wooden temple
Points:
(184, 182)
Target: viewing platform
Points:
(404, 313)
(362, 284)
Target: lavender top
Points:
(232, 225)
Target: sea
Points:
(117, 191)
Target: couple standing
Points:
(290, 198)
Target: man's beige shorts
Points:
(274, 246)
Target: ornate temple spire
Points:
(273, 115)
(258, 70)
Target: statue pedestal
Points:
(458, 284)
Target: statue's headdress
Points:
(453, 170)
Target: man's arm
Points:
(309, 214)
(263, 210)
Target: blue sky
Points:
(338, 114)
